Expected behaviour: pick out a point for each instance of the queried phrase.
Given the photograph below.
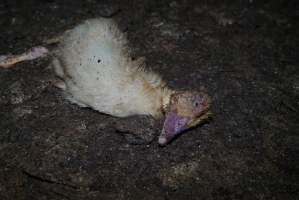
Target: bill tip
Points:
(162, 141)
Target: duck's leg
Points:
(7, 61)
(54, 40)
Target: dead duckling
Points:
(94, 63)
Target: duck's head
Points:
(185, 109)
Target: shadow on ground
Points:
(243, 53)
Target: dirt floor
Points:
(243, 53)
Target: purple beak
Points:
(173, 125)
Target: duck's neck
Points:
(155, 94)
(160, 101)
(167, 92)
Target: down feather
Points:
(94, 63)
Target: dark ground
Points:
(244, 53)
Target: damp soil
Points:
(244, 54)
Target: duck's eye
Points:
(195, 104)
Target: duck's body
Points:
(94, 62)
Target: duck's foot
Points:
(7, 61)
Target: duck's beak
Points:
(173, 125)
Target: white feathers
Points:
(94, 62)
